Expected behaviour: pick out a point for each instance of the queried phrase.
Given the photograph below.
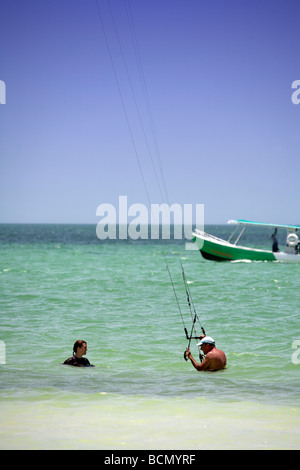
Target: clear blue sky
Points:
(218, 75)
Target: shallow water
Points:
(60, 283)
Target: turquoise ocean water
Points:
(61, 283)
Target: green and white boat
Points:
(217, 249)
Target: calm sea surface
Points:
(61, 283)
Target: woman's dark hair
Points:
(78, 344)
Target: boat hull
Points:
(216, 249)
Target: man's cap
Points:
(206, 340)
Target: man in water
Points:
(275, 248)
(79, 350)
(215, 359)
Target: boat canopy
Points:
(248, 222)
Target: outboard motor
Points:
(292, 242)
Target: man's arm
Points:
(205, 364)
(197, 366)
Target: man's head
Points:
(206, 344)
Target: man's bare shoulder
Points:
(214, 360)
